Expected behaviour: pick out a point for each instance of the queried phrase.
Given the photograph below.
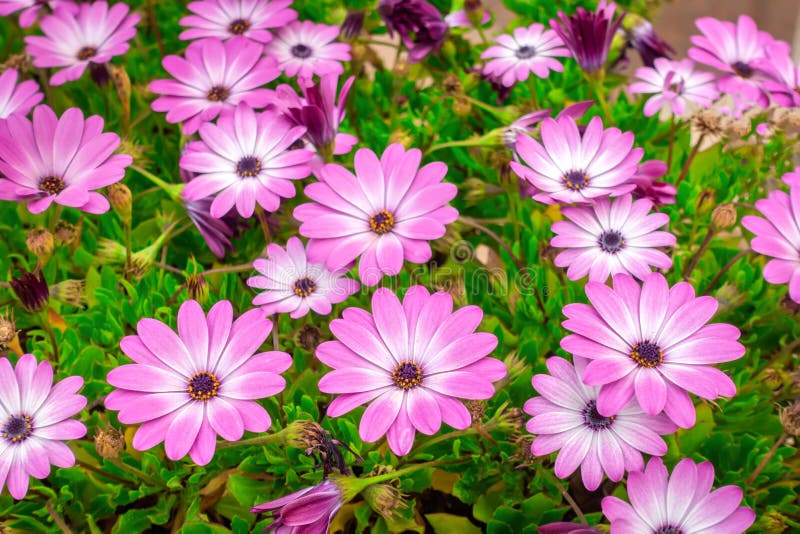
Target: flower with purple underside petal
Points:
(659, 193)
(32, 290)
(30, 9)
(384, 214)
(61, 160)
(682, 503)
(213, 78)
(411, 362)
(784, 75)
(569, 166)
(567, 528)
(419, 24)
(529, 50)
(608, 238)
(186, 388)
(34, 419)
(642, 37)
(94, 33)
(304, 49)
(227, 19)
(588, 34)
(309, 510)
(565, 417)
(674, 85)
(651, 342)
(292, 284)
(17, 98)
(527, 123)
(245, 159)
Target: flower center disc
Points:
(17, 428)
(301, 51)
(218, 93)
(382, 222)
(304, 287)
(593, 419)
(669, 529)
(86, 52)
(742, 69)
(647, 354)
(239, 26)
(203, 386)
(611, 241)
(576, 180)
(248, 167)
(52, 185)
(525, 52)
(407, 375)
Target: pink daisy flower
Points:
(659, 193)
(15, 98)
(651, 342)
(224, 19)
(304, 49)
(385, 213)
(792, 178)
(784, 75)
(778, 236)
(530, 49)
(309, 510)
(410, 362)
(186, 388)
(30, 9)
(62, 160)
(74, 38)
(674, 84)
(679, 504)
(34, 419)
(565, 417)
(569, 166)
(214, 77)
(608, 238)
(292, 284)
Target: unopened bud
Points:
(69, 291)
(477, 410)
(352, 25)
(723, 217)
(31, 290)
(197, 287)
(385, 499)
(790, 418)
(403, 137)
(8, 330)
(109, 443)
(121, 200)
(66, 233)
(461, 107)
(452, 84)
(705, 201)
(40, 241)
(772, 522)
(309, 337)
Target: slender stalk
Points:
(765, 460)
(689, 160)
(230, 269)
(534, 96)
(97, 471)
(57, 519)
(408, 470)
(475, 224)
(262, 218)
(128, 251)
(724, 270)
(171, 189)
(672, 128)
(596, 81)
(138, 473)
(567, 496)
(166, 267)
(472, 141)
(469, 431)
(151, 14)
(275, 332)
(687, 271)
(49, 330)
(267, 439)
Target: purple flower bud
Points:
(588, 34)
(419, 23)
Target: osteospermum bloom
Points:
(62, 160)
(244, 160)
(565, 417)
(568, 166)
(187, 388)
(17, 98)
(588, 34)
(674, 84)
(74, 38)
(608, 238)
(385, 213)
(651, 342)
(642, 37)
(784, 75)
(411, 362)
(225, 19)
(419, 24)
(30, 9)
(304, 49)
(291, 284)
(530, 49)
(682, 503)
(309, 510)
(214, 77)
(34, 419)
(648, 187)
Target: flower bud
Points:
(723, 217)
(66, 233)
(109, 443)
(772, 522)
(309, 337)
(477, 410)
(69, 291)
(197, 288)
(31, 290)
(40, 241)
(403, 137)
(790, 418)
(8, 330)
(385, 499)
(110, 252)
(705, 201)
(352, 25)
(461, 107)
(121, 200)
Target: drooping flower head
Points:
(309, 510)
(187, 388)
(384, 214)
(651, 342)
(291, 284)
(674, 85)
(530, 49)
(226, 19)
(565, 417)
(588, 34)
(17, 98)
(419, 24)
(411, 362)
(34, 419)
(569, 166)
(245, 159)
(305, 49)
(659, 193)
(608, 238)
(214, 77)
(62, 160)
(641, 36)
(30, 9)
(679, 504)
(74, 38)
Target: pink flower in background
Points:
(528, 50)
(792, 178)
(419, 24)
(214, 78)
(187, 388)
(609, 238)
(659, 193)
(460, 19)
(528, 122)
(16, 98)
(565, 417)
(682, 503)
(245, 159)
(569, 166)
(784, 76)
(34, 419)
(309, 510)
(62, 160)
(304, 49)
(293, 285)
(386, 213)
(651, 342)
(588, 34)
(225, 19)
(567, 528)
(411, 362)
(674, 85)
(30, 9)
(94, 33)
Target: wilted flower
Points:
(32, 290)
(419, 23)
(385, 499)
(8, 329)
(309, 510)
(674, 85)
(305, 49)
(531, 49)
(40, 242)
(17, 98)
(109, 443)
(197, 287)
(588, 34)
(790, 418)
(226, 19)
(642, 37)
(309, 337)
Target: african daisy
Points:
(224, 19)
(30, 9)
(304, 49)
(588, 34)
(530, 49)
(17, 98)
(674, 85)
(310, 510)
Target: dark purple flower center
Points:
(297, 144)
(407, 375)
(248, 167)
(593, 419)
(239, 26)
(382, 222)
(669, 529)
(301, 51)
(17, 428)
(303, 287)
(525, 52)
(203, 386)
(52, 185)
(742, 69)
(611, 241)
(576, 180)
(218, 93)
(647, 354)
(86, 52)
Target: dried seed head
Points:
(477, 410)
(385, 499)
(40, 241)
(723, 217)
(109, 442)
(66, 233)
(197, 288)
(790, 418)
(8, 330)
(309, 337)
(452, 85)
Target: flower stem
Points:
(596, 81)
(49, 330)
(703, 246)
(262, 218)
(277, 437)
(765, 460)
(230, 269)
(689, 160)
(57, 519)
(566, 495)
(137, 473)
(171, 189)
(368, 481)
(724, 270)
(534, 97)
(672, 128)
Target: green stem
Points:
(724, 270)
(566, 495)
(267, 439)
(672, 128)
(138, 473)
(49, 330)
(472, 141)
(230, 269)
(765, 460)
(696, 258)
(57, 519)
(408, 470)
(172, 189)
(534, 97)
(689, 160)
(596, 81)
